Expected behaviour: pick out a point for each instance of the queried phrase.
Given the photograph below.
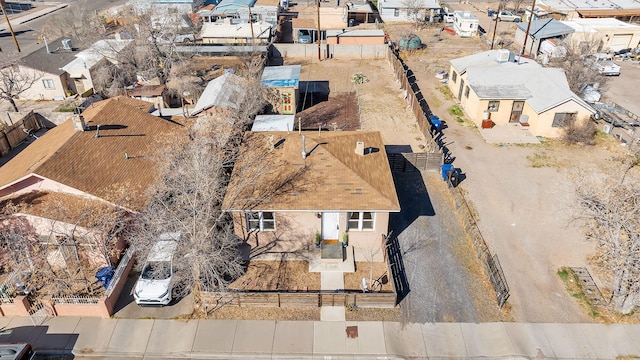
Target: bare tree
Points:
(609, 206)
(415, 10)
(576, 69)
(60, 244)
(15, 81)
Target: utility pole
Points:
(253, 38)
(526, 35)
(318, 30)
(6, 17)
(495, 26)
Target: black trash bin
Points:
(455, 177)
(105, 274)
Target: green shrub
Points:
(456, 110)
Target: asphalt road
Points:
(28, 33)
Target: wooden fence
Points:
(300, 299)
(14, 135)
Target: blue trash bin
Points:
(105, 274)
(446, 168)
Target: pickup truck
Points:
(505, 15)
(603, 64)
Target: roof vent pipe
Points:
(360, 148)
(97, 135)
(304, 152)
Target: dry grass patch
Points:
(265, 313)
(373, 270)
(374, 314)
(283, 275)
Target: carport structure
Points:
(304, 24)
(540, 31)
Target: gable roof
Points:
(51, 62)
(543, 88)
(223, 91)
(99, 165)
(332, 177)
(103, 49)
(545, 28)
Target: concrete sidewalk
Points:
(108, 338)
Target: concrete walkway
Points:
(108, 338)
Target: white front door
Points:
(330, 225)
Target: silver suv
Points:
(505, 15)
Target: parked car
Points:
(449, 17)
(603, 64)
(156, 280)
(16, 351)
(505, 15)
(304, 37)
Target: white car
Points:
(156, 280)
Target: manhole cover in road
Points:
(352, 332)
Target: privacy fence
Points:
(300, 299)
(15, 134)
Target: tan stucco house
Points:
(64, 70)
(498, 85)
(290, 190)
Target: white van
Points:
(156, 280)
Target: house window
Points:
(563, 119)
(261, 221)
(493, 106)
(454, 76)
(48, 84)
(466, 92)
(361, 221)
(396, 12)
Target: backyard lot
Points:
(446, 282)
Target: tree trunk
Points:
(13, 103)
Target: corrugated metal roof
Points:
(609, 5)
(545, 28)
(273, 123)
(223, 91)
(231, 6)
(280, 76)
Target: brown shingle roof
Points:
(147, 90)
(98, 166)
(332, 177)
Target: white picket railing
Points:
(124, 262)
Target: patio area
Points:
(511, 133)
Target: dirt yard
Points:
(290, 275)
(521, 193)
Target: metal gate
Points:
(39, 313)
(411, 162)
(498, 280)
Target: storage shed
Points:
(285, 80)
